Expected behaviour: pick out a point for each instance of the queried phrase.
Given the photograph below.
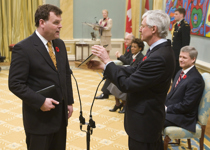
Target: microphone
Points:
(96, 20)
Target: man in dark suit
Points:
(181, 35)
(146, 84)
(40, 61)
(183, 100)
(125, 59)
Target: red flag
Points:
(146, 5)
(128, 20)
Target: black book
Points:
(49, 92)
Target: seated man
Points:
(126, 59)
(183, 100)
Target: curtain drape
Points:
(16, 22)
(158, 4)
(135, 12)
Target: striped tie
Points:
(52, 55)
(179, 79)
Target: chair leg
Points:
(203, 127)
(166, 141)
(177, 141)
(189, 143)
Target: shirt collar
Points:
(44, 41)
(178, 22)
(134, 56)
(157, 43)
(188, 69)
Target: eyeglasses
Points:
(126, 39)
(143, 26)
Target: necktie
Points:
(148, 51)
(52, 55)
(179, 79)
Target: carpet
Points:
(108, 134)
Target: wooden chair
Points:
(173, 132)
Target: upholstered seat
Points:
(173, 132)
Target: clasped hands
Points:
(102, 54)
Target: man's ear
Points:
(154, 29)
(41, 23)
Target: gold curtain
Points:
(67, 30)
(135, 12)
(157, 4)
(16, 22)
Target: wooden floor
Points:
(76, 63)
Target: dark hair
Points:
(139, 42)
(43, 12)
(181, 11)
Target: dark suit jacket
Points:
(127, 57)
(181, 37)
(139, 57)
(182, 102)
(31, 70)
(147, 85)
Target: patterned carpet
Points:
(108, 134)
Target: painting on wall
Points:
(197, 15)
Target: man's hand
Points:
(48, 104)
(70, 110)
(101, 53)
(94, 64)
(117, 54)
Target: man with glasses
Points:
(147, 84)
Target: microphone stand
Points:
(91, 123)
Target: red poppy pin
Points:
(185, 76)
(145, 57)
(128, 50)
(178, 25)
(134, 60)
(57, 49)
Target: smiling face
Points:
(51, 28)
(185, 61)
(135, 48)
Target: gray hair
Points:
(191, 50)
(131, 36)
(159, 19)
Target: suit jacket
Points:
(31, 70)
(147, 85)
(108, 26)
(182, 102)
(181, 37)
(138, 58)
(127, 57)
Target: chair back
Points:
(204, 107)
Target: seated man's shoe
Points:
(102, 96)
(122, 111)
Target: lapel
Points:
(164, 44)
(40, 47)
(181, 23)
(182, 81)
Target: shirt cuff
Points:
(107, 64)
(165, 109)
